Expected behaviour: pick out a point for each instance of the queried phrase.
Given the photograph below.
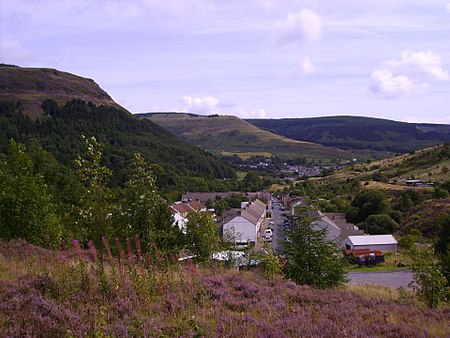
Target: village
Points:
(265, 219)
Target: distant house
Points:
(244, 227)
(372, 242)
(347, 229)
(333, 231)
(180, 212)
(419, 183)
(322, 222)
(181, 209)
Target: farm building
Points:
(372, 242)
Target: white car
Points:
(268, 235)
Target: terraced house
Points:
(244, 226)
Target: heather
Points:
(74, 292)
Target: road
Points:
(392, 279)
(278, 228)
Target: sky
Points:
(250, 58)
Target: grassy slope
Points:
(44, 294)
(34, 85)
(426, 164)
(352, 132)
(228, 135)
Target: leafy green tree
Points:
(145, 213)
(168, 237)
(369, 202)
(252, 182)
(27, 209)
(312, 259)
(430, 283)
(94, 214)
(202, 235)
(139, 198)
(270, 264)
(379, 224)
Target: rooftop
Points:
(372, 239)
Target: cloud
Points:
(419, 65)
(306, 67)
(409, 75)
(259, 113)
(383, 83)
(300, 27)
(200, 105)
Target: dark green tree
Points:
(369, 202)
(312, 259)
(379, 225)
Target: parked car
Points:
(268, 235)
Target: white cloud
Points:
(200, 105)
(259, 113)
(419, 65)
(299, 27)
(383, 83)
(409, 75)
(307, 67)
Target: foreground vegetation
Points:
(74, 293)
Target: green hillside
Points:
(58, 126)
(230, 135)
(33, 85)
(359, 133)
(430, 165)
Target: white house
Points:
(244, 227)
(372, 242)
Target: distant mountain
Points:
(56, 108)
(230, 135)
(359, 133)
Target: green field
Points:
(230, 135)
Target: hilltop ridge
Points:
(33, 85)
(229, 135)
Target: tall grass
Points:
(83, 293)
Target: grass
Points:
(232, 135)
(68, 293)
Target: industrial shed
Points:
(372, 242)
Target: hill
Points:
(359, 133)
(230, 135)
(58, 125)
(55, 294)
(33, 85)
(430, 165)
